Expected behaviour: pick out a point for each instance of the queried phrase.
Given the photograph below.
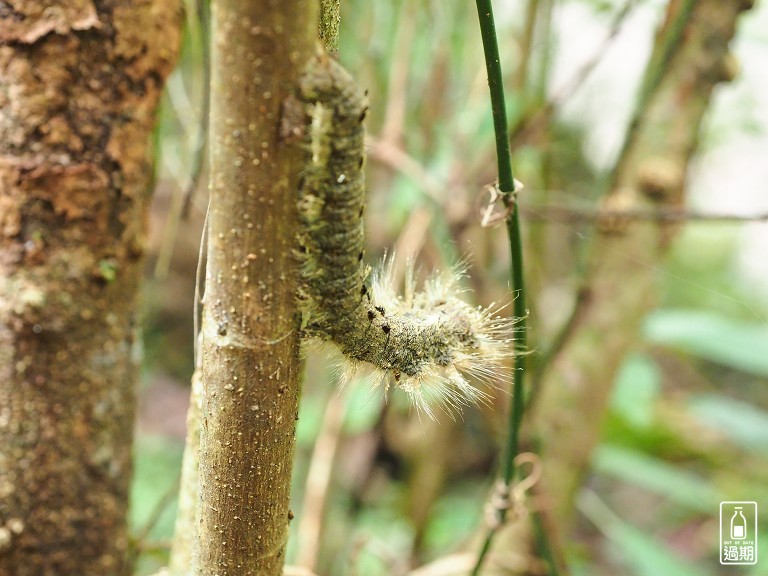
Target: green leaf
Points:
(645, 556)
(734, 343)
(363, 407)
(156, 471)
(642, 554)
(742, 423)
(638, 384)
(679, 486)
(660, 439)
(453, 518)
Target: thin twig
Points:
(655, 70)
(526, 46)
(574, 215)
(139, 542)
(198, 285)
(581, 75)
(318, 482)
(201, 143)
(157, 512)
(390, 154)
(531, 121)
(181, 200)
(397, 84)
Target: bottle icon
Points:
(738, 525)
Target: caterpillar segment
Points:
(431, 344)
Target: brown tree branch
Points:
(577, 215)
(250, 362)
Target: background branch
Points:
(616, 294)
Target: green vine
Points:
(507, 189)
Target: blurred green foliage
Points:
(153, 498)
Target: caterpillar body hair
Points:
(431, 344)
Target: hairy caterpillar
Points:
(432, 344)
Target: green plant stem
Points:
(507, 188)
(496, 86)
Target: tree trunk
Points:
(79, 85)
(250, 360)
(690, 57)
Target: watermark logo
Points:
(738, 533)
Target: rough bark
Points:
(79, 85)
(250, 361)
(619, 287)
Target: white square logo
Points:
(738, 533)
